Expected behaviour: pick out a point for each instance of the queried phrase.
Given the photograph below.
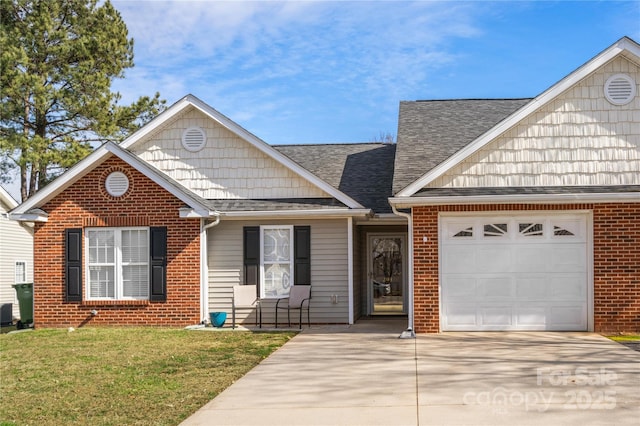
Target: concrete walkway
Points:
(365, 375)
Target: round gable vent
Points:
(116, 184)
(620, 89)
(194, 139)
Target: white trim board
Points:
(620, 197)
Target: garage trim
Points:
(588, 217)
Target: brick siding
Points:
(616, 262)
(86, 203)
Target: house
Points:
(16, 257)
(503, 214)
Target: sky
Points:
(335, 71)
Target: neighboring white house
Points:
(16, 253)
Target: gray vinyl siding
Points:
(16, 244)
(329, 268)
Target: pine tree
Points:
(58, 59)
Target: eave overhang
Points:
(34, 215)
(295, 214)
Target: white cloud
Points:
(334, 43)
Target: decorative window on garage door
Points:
(567, 229)
(531, 229)
(496, 230)
(466, 232)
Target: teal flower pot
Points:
(218, 318)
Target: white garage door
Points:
(514, 272)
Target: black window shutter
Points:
(302, 255)
(251, 249)
(73, 264)
(158, 263)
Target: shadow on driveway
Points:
(365, 375)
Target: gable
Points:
(578, 138)
(429, 132)
(228, 167)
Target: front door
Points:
(386, 261)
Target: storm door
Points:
(386, 277)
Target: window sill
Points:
(115, 302)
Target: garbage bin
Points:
(25, 302)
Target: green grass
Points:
(626, 338)
(116, 376)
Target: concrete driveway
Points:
(365, 375)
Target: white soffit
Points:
(191, 100)
(626, 46)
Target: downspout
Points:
(204, 270)
(350, 267)
(408, 333)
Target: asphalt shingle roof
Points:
(363, 171)
(429, 132)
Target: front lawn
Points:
(625, 338)
(632, 341)
(116, 376)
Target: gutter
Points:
(621, 197)
(408, 333)
(285, 214)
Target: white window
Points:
(276, 261)
(118, 263)
(21, 272)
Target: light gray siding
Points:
(329, 268)
(16, 244)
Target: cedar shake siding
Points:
(86, 204)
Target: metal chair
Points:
(245, 297)
(299, 298)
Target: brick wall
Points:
(616, 264)
(616, 269)
(86, 203)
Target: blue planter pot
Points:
(218, 318)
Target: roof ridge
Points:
(330, 144)
(472, 99)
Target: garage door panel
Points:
(532, 287)
(530, 257)
(493, 259)
(496, 316)
(495, 288)
(568, 258)
(567, 317)
(459, 288)
(567, 287)
(462, 315)
(532, 317)
(459, 258)
(528, 273)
